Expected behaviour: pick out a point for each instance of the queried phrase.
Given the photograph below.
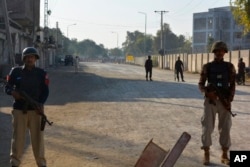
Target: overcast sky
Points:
(107, 21)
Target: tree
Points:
(89, 48)
(134, 43)
(116, 52)
(241, 13)
(72, 48)
(149, 44)
(187, 46)
(209, 44)
(171, 42)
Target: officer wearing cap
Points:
(34, 82)
(220, 74)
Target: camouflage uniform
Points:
(222, 75)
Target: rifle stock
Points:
(35, 105)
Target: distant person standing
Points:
(241, 70)
(179, 67)
(148, 67)
(76, 64)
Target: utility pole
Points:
(117, 38)
(47, 12)
(8, 33)
(45, 31)
(46, 19)
(161, 50)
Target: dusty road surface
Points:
(106, 114)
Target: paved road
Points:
(106, 114)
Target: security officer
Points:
(241, 70)
(34, 82)
(76, 64)
(221, 74)
(179, 67)
(148, 68)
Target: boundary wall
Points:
(193, 62)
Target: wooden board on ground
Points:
(155, 156)
(176, 151)
(152, 156)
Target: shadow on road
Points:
(91, 87)
(5, 137)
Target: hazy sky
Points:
(97, 19)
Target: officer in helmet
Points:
(221, 75)
(34, 82)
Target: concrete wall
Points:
(194, 62)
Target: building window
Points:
(209, 35)
(200, 37)
(225, 23)
(199, 24)
(210, 23)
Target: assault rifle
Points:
(225, 102)
(37, 106)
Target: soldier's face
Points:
(219, 54)
(30, 60)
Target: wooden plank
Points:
(176, 151)
(152, 156)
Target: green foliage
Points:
(171, 42)
(86, 48)
(241, 13)
(130, 43)
(116, 52)
(187, 46)
(136, 43)
(209, 44)
(155, 61)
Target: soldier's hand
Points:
(16, 95)
(40, 109)
(227, 104)
(211, 95)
